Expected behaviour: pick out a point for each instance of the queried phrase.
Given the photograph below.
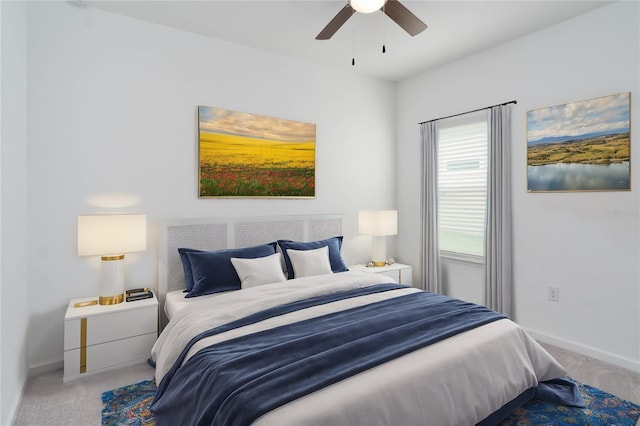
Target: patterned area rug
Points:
(602, 409)
(129, 405)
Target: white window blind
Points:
(462, 184)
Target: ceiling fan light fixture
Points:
(392, 8)
(367, 6)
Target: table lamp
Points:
(378, 224)
(110, 236)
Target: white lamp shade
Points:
(378, 222)
(367, 6)
(111, 234)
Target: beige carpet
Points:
(47, 401)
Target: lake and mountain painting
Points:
(580, 146)
(247, 155)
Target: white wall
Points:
(584, 243)
(112, 108)
(14, 310)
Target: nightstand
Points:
(103, 337)
(399, 272)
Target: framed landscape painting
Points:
(580, 146)
(248, 155)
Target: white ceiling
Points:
(455, 28)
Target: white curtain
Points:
(497, 242)
(430, 252)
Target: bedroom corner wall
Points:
(113, 110)
(587, 244)
(14, 312)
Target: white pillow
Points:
(306, 263)
(259, 271)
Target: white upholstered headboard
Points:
(223, 233)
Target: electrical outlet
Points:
(553, 294)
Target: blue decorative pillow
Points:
(334, 244)
(213, 271)
(186, 266)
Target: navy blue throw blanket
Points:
(266, 314)
(237, 381)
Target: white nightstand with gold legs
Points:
(103, 337)
(399, 272)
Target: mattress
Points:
(458, 381)
(175, 301)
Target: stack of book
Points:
(138, 294)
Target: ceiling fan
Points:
(392, 8)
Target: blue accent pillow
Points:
(334, 244)
(213, 271)
(186, 267)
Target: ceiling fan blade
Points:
(335, 24)
(403, 17)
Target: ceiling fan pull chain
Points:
(353, 47)
(384, 48)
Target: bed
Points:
(328, 347)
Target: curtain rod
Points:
(469, 112)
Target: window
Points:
(462, 184)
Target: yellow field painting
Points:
(244, 155)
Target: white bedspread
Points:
(459, 381)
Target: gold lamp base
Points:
(383, 263)
(111, 300)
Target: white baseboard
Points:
(33, 371)
(45, 368)
(620, 361)
(13, 410)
